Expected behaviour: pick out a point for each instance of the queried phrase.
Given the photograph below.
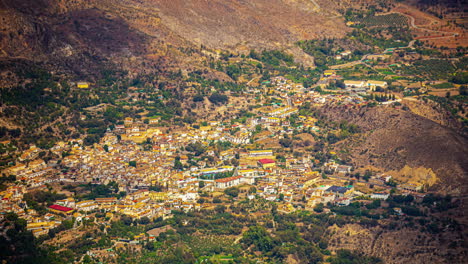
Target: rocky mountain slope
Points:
(254, 23)
(75, 33)
(401, 245)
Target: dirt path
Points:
(414, 26)
(410, 44)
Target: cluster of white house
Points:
(367, 85)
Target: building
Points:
(266, 163)
(343, 169)
(343, 201)
(228, 182)
(260, 153)
(412, 187)
(153, 121)
(328, 73)
(380, 196)
(339, 191)
(86, 206)
(58, 209)
(354, 84)
(106, 203)
(374, 84)
(82, 85)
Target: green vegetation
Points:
(433, 69)
(93, 191)
(217, 98)
(324, 51)
(19, 245)
(460, 78)
(375, 37)
(4, 180)
(344, 256)
(390, 20)
(443, 85)
(39, 200)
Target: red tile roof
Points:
(266, 161)
(228, 179)
(60, 208)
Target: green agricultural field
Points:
(434, 69)
(391, 20)
(443, 85)
(386, 71)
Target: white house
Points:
(380, 196)
(354, 84)
(228, 182)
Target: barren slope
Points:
(256, 22)
(29, 26)
(401, 245)
(394, 138)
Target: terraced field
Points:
(390, 20)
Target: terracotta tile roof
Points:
(266, 161)
(60, 208)
(228, 179)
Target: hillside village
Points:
(244, 155)
(155, 171)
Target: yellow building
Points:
(329, 73)
(267, 163)
(82, 85)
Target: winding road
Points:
(410, 44)
(413, 25)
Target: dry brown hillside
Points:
(72, 32)
(257, 23)
(400, 245)
(393, 138)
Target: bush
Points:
(233, 191)
(217, 98)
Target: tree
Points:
(340, 84)
(127, 220)
(367, 175)
(259, 237)
(198, 148)
(144, 220)
(220, 208)
(233, 191)
(463, 90)
(217, 98)
(198, 98)
(345, 256)
(286, 142)
(318, 208)
(177, 164)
